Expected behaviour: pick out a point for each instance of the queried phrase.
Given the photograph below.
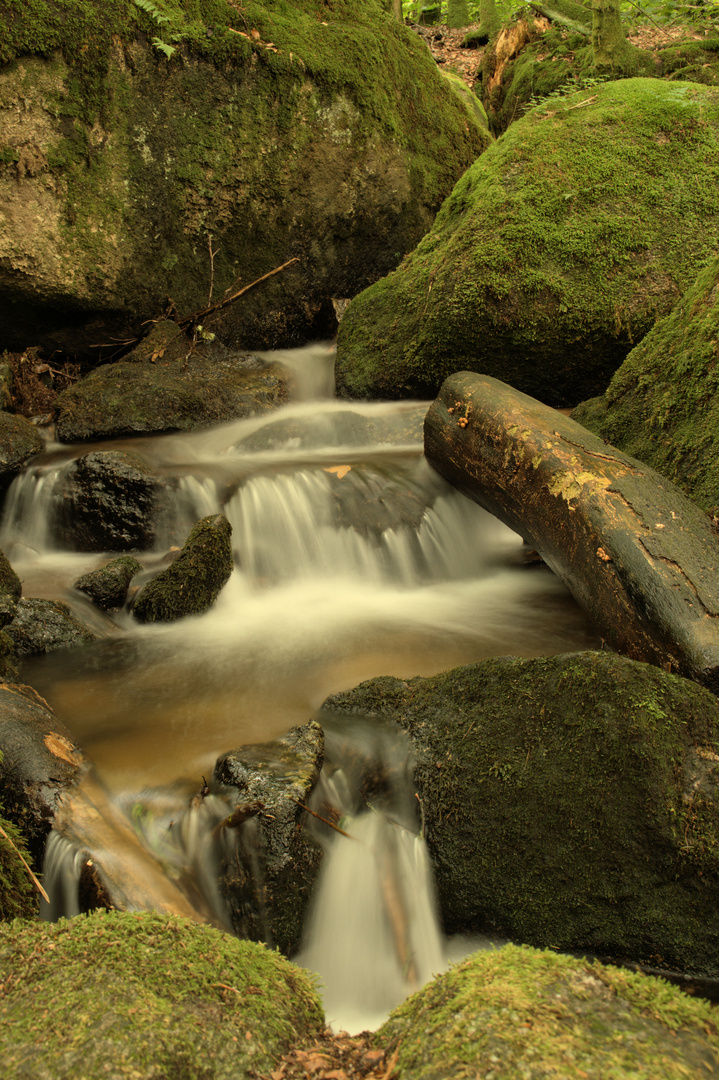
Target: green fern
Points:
(161, 20)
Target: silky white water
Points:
(352, 560)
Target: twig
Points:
(324, 820)
(212, 266)
(19, 855)
(223, 303)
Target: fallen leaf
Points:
(340, 470)
(255, 34)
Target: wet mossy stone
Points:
(10, 590)
(110, 500)
(662, 406)
(19, 443)
(327, 136)
(107, 586)
(41, 626)
(130, 995)
(18, 897)
(192, 583)
(158, 388)
(570, 801)
(521, 1012)
(554, 255)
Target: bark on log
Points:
(636, 553)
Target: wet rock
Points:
(107, 586)
(10, 591)
(42, 626)
(143, 994)
(173, 392)
(39, 760)
(19, 443)
(192, 583)
(338, 429)
(522, 1012)
(569, 801)
(556, 252)
(271, 905)
(110, 500)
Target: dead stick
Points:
(223, 303)
(324, 820)
(32, 875)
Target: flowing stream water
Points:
(352, 559)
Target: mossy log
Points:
(636, 553)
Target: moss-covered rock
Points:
(269, 882)
(192, 583)
(662, 406)
(107, 586)
(146, 995)
(555, 253)
(18, 897)
(263, 133)
(10, 591)
(516, 1012)
(166, 385)
(19, 443)
(42, 626)
(569, 802)
(109, 500)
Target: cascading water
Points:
(353, 559)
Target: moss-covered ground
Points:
(517, 1012)
(662, 406)
(18, 896)
(146, 995)
(556, 251)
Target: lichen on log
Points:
(635, 552)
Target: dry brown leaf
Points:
(339, 470)
(255, 34)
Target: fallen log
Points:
(636, 553)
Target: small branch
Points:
(324, 820)
(223, 303)
(212, 266)
(35, 881)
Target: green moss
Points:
(18, 898)
(147, 995)
(662, 406)
(519, 1012)
(569, 801)
(556, 251)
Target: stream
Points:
(353, 559)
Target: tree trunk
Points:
(637, 554)
(458, 13)
(610, 47)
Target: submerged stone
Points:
(129, 995)
(569, 801)
(516, 1012)
(192, 583)
(662, 406)
(556, 252)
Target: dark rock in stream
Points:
(38, 761)
(192, 583)
(110, 500)
(569, 801)
(41, 626)
(270, 905)
(108, 585)
(19, 443)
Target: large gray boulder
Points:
(555, 253)
(569, 801)
(172, 151)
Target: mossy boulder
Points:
(662, 406)
(165, 384)
(268, 884)
(569, 801)
(154, 153)
(192, 583)
(19, 443)
(148, 995)
(556, 252)
(110, 500)
(38, 761)
(516, 1012)
(107, 586)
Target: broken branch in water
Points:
(35, 881)
(324, 821)
(223, 303)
